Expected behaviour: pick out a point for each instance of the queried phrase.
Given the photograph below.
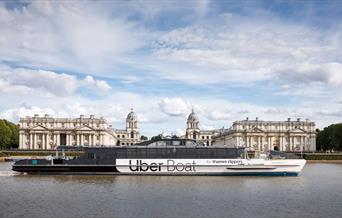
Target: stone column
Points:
(58, 139)
(43, 140)
(293, 143)
(49, 140)
(101, 139)
(281, 143)
(35, 141)
(270, 144)
(21, 144)
(31, 141)
(82, 139)
(77, 139)
(67, 139)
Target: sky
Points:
(227, 60)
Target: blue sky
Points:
(226, 59)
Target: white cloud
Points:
(327, 73)
(218, 115)
(100, 84)
(23, 111)
(43, 83)
(241, 50)
(123, 41)
(174, 106)
(179, 132)
(74, 35)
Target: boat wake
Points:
(8, 173)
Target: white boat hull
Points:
(228, 167)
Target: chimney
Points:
(288, 119)
(298, 119)
(257, 118)
(36, 116)
(92, 116)
(81, 116)
(46, 115)
(246, 118)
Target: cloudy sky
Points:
(226, 59)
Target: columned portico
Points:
(47, 133)
(268, 135)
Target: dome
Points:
(132, 116)
(192, 117)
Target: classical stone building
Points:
(194, 132)
(130, 135)
(48, 132)
(270, 135)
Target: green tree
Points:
(157, 137)
(5, 135)
(143, 137)
(330, 138)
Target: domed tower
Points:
(192, 129)
(132, 125)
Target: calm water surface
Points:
(317, 192)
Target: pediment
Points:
(256, 130)
(39, 127)
(85, 128)
(297, 130)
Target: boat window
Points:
(131, 152)
(152, 153)
(141, 153)
(176, 143)
(190, 143)
(160, 143)
(121, 153)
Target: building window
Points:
(123, 136)
(203, 137)
(118, 136)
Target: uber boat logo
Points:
(171, 166)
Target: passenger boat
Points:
(164, 157)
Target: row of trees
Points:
(330, 138)
(9, 135)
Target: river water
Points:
(317, 192)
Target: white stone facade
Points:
(270, 135)
(194, 132)
(130, 135)
(47, 133)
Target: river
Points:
(317, 192)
